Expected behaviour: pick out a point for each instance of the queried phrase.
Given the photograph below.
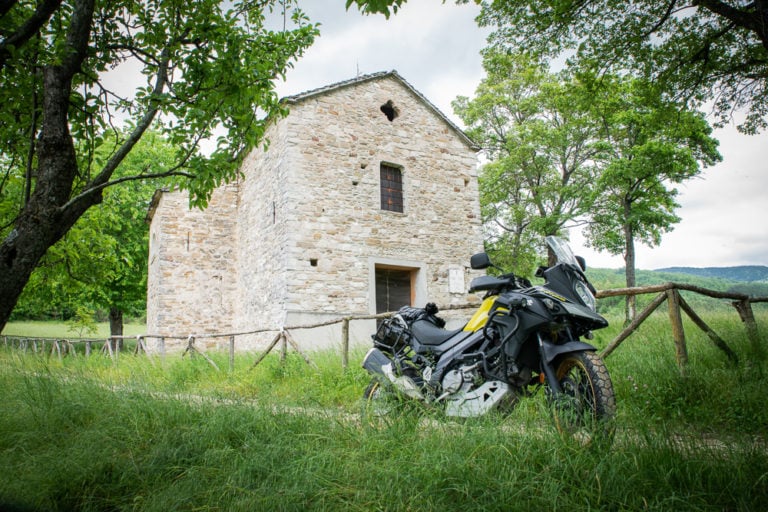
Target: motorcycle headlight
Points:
(585, 295)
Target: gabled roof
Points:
(377, 76)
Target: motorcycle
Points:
(521, 338)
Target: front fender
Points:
(550, 350)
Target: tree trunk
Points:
(116, 324)
(45, 218)
(43, 221)
(630, 306)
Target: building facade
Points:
(366, 199)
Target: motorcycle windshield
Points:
(562, 250)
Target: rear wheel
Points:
(379, 402)
(384, 405)
(587, 405)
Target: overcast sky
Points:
(435, 47)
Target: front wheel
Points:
(587, 405)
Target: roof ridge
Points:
(319, 90)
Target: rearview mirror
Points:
(582, 263)
(479, 261)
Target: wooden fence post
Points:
(192, 351)
(190, 346)
(56, 347)
(289, 339)
(717, 340)
(140, 346)
(345, 343)
(745, 313)
(269, 348)
(108, 348)
(681, 352)
(624, 334)
(231, 354)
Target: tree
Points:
(537, 129)
(655, 145)
(701, 51)
(578, 146)
(199, 67)
(100, 265)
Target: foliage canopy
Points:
(698, 52)
(100, 265)
(545, 150)
(188, 70)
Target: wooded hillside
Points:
(746, 273)
(604, 279)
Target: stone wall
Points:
(192, 262)
(263, 235)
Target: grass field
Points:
(176, 434)
(41, 329)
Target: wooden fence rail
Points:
(669, 292)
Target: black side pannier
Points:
(392, 335)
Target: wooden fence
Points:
(669, 292)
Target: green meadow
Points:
(144, 433)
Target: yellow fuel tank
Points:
(480, 317)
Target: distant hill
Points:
(605, 279)
(744, 273)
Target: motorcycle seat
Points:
(430, 334)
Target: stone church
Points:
(365, 200)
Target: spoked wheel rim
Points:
(585, 409)
(378, 404)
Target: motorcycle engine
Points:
(468, 395)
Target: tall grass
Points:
(713, 394)
(89, 434)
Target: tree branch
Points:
(739, 17)
(31, 27)
(96, 188)
(142, 126)
(755, 19)
(662, 20)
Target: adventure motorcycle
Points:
(521, 338)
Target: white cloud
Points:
(433, 45)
